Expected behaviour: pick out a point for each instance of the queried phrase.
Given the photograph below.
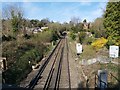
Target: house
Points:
(36, 30)
(89, 34)
(87, 25)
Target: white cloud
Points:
(99, 10)
(96, 12)
(76, 11)
(85, 3)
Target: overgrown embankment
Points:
(22, 53)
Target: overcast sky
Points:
(61, 11)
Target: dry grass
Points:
(88, 52)
(90, 71)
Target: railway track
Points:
(42, 68)
(54, 73)
(65, 81)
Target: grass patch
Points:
(112, 67)
(88, 52)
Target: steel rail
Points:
(59, 71)
(48, 81)
(36, 78)
(68, 65)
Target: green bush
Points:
(26, 36)
(82, 36)
(15, 73)
(88, 40)
(13, 51)
(54, 36)
(33, 55)
(73, 36)
(20, 51)
(111, 41)
(8, 38)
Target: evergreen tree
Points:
(112, 22)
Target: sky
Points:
(56, 0)
(61, 11)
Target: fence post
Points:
(95, 80)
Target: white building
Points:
(43, 28)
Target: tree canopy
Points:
(112, 21)
(98, 28)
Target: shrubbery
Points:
(18, 62)
(54, 36)
(73, 36)
(20, 51)
(112, 41)
(7, 38)
(99, 43)
(17, 72)
(88, 40)
(81, 36)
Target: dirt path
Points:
(75, 72)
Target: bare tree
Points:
(75, 20)
(13, 12)
(8, 8)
